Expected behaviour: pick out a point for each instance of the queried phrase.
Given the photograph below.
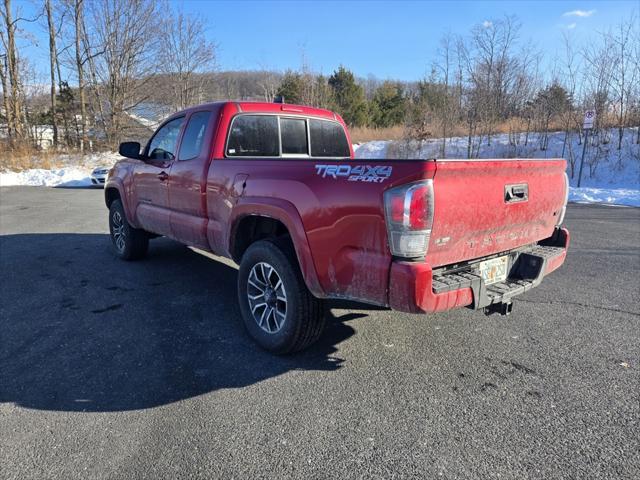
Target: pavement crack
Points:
(107, 309)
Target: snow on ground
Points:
(609, 176)
(613, 196)
(61, 177)
(72, 171)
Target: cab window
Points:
(163, 143)
(328, 139)
(254, 136)
(293, 132)
(193, 138)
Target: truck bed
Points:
(340, 204)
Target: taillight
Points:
(418, 210)
(409, 216)
(397, 208)
(563, 210)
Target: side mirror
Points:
(130, 150)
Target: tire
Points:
(294, 323)
(129, 243)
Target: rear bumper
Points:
(414, 288)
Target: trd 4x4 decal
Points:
(357, 173)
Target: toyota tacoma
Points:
(276, 188)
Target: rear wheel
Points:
(129, 243)
(278, 310)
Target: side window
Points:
(294, 136)
(328, 139)
(254, 136)
(193, 138)
(163, 143)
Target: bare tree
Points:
(13, 74)
(569, 74)
(14, 112)
(4, 77)
(52, 65)
(63, 86)
(126, 31)
(268, 83)
(492, 68)
(597, 76)
(185, 55)
(78, 21)
(623, 72)
(443, 67)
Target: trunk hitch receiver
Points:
(503, 308)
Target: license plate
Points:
(494, 270)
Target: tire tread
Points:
(309, 316)
(311, 308)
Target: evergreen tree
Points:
(388, 105)
(291, 87)
(349, 97)
(554, 99)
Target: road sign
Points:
(589, 119)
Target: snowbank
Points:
(613, 179)
(611, 196)
(63, 177)
(374, 149)
(73, 171)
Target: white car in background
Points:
(99, 175)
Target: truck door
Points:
(151, 179)
(187, 180)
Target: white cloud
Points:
(567, 26)
(487, 24)
(579, 13)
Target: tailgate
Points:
(484, 207)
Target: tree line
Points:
(106, 59)
(113, 50)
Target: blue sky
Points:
(388, 39)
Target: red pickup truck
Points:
(276, 188)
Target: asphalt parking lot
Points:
(128, 370)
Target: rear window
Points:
(294, 136)
(193, 137)
(328, 139)
(254, 136)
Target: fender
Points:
(118, 184)
(286, 213)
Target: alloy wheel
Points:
(267, 297)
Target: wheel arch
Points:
(111, 194)
(114, 191)
(258, 219)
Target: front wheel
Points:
(278, 310)
(129, 243)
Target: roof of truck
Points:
(267, 107)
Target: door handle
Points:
(163, 176)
